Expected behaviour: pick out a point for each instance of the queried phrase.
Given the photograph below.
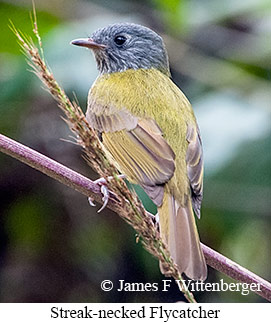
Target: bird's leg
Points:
(104, 190)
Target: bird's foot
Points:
(104, 190)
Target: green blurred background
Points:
(53, 246)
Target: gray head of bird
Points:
(124, 46)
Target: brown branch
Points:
(230, 268)
(53, 169)
(89, 188)
(124, 202)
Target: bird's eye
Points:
(120, 40)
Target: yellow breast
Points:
(149, 94)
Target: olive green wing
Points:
(138, 147)
(194, 160)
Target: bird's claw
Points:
(104, 190)
(90, 201)
(105, 193)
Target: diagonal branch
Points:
(230, 268)
(55, 170)
(87, 187)
(124, 202)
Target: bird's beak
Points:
(87, 42)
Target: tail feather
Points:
(178, 229)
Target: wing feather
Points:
(109, 119)
(194, 160)
(138, 147)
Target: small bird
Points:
(148, 126)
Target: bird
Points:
(147, 125)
